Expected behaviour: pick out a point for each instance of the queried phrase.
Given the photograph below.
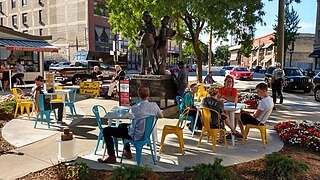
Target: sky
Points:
(306, 11)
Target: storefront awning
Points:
(265, 60)
(267, 45)
(315, 54)
(23, 45)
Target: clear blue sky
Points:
(306, 11)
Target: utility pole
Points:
(280, 34)
(209, 52)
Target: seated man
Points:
(140, 111)
(264, 106)
(96, 74)
(212, 102)
(208, 79)
(19, 68)
(119, 75)
(47, 105)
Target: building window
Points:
(1, 21)
(13, 4)
(24, 2)
(41, 2)
(100, 10)
(14, 21)
(0, 6)
(40, 16)
(25, 31)
(24, 19)
(40, 32)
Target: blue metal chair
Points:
(43, 111)
(150, 123)
(95, 110)
(70, 103)
(184, 118)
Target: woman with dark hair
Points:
(47, 105)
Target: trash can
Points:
(66, 150)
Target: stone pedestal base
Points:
(162, 88)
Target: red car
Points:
(241, 73)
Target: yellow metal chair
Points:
(201, 92)
(177, 130)
(59, 96)
(206, 113)
(20, 103)
(262, 128)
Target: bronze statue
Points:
(161, 45)
(148, 35)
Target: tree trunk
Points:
(198, 54)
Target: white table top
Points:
(71, 87)
(228, 106)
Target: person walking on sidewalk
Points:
(124, 130)
(277, 81)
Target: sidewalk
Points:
(40, 148)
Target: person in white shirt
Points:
(125, 130)
(264, 108)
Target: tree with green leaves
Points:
(291, 22)
(190, 17)
(221, 55)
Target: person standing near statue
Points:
(182, 79)
(277, 81)
(148, 35)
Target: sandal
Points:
(237, 134)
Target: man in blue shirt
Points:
(208, 79)
(141, 111)
(182, 79)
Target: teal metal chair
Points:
(70, 102)
(43, 111)
(150, 123)
(95, 110)
(184, 118)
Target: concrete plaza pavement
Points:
(38, 148)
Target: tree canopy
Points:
(222, 55)
(190, 18)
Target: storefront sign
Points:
(124, 96)
(38, 49)
(90, 88)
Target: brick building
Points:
(264, 52)
(316, 46)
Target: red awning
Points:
(23, 45)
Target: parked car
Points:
(256, 69)
(316, 83)
(189, 68)
(47, 63)
(263, 70)
(241, 73)
(194, 67)
(81, 72)
(225, 70)
(61, 64)
(307, 72)
(174, 68)
(294, 79)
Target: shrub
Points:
(212, 171)
(78, 171)
(126, 172)
(282, 167)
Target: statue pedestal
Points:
(162, 88)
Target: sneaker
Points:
(109, 160)
(128, 154)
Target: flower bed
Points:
(251, 99)
(8, 103)
(303, 133)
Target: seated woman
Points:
(47, 105)
(188, 101)
(228, 93)
(119, 75)
(212, 102)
